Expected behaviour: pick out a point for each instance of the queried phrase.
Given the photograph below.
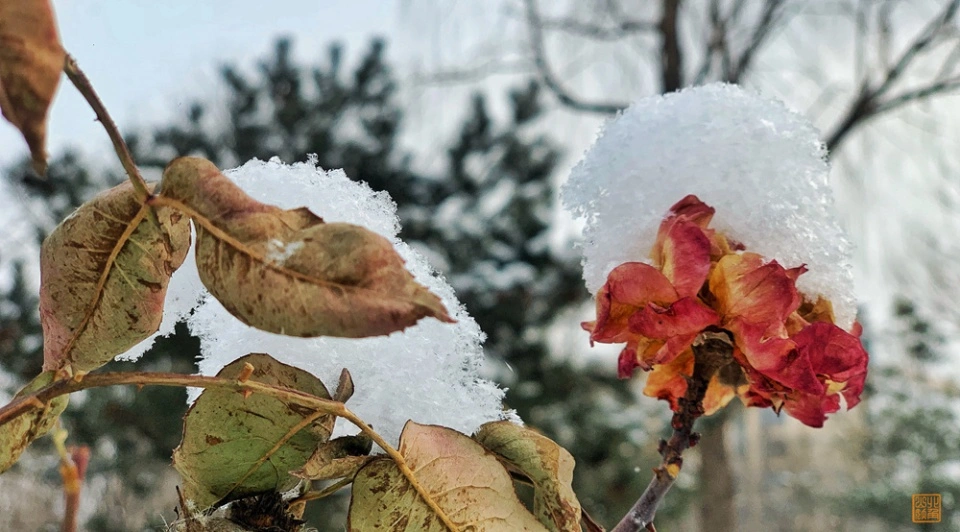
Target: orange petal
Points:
(717, 396)
(668, 382)
(761, 293)
(819, 310)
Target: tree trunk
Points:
(717, 493)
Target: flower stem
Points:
(710, 351)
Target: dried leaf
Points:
(344, 387)
(234, 447)
(31, 60)
(589, 524)
(103, 278)
(546, 464)
(17, 434)
(288, 272)
(459, 478)
(338, 458)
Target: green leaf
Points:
(103, 278)
(235, 446)
(454, 479)
(547, 465)
(17, 434)
(288, 272)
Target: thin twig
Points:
(547, 76)
(73, 469)
(711, 350)
(83, 85)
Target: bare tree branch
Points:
(476, 72)
(597, 31)
(871, 101)
(671, 57)
(547, 76)
(768, 20)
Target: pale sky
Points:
(145, 57)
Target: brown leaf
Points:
(546, 464)
(457, 479)
(103, 278)
(338, 458)
(235, 446)
(17, 434)
(589, 524)
(31, 60)
(344, 387)
(288, 272)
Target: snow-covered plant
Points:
(304, 299)
(717, 308)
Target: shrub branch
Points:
(711, 351)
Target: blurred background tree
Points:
(484, 212)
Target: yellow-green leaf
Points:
(288, 272)
(457, 479)
(31, 60)
(17, 434)
(548, 466)
(103, 278)
(235, 446)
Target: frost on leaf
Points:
(288, 272)
(544, 464)
(19, 432)
(788, 353)
(235, 446)
(31, 60)
(454, 480)
(103, 277)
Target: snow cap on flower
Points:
(759, 164)
(668, 281)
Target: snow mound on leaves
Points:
(761, 165)
(428, 373)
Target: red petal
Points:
(811, 410)
(775, 357)
(627, 362)
(835, 354)
(688, 315)
(692, 209)
(684, 256)
(747, 288)
(630, 286)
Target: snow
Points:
(760, 164)
(428, 372)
